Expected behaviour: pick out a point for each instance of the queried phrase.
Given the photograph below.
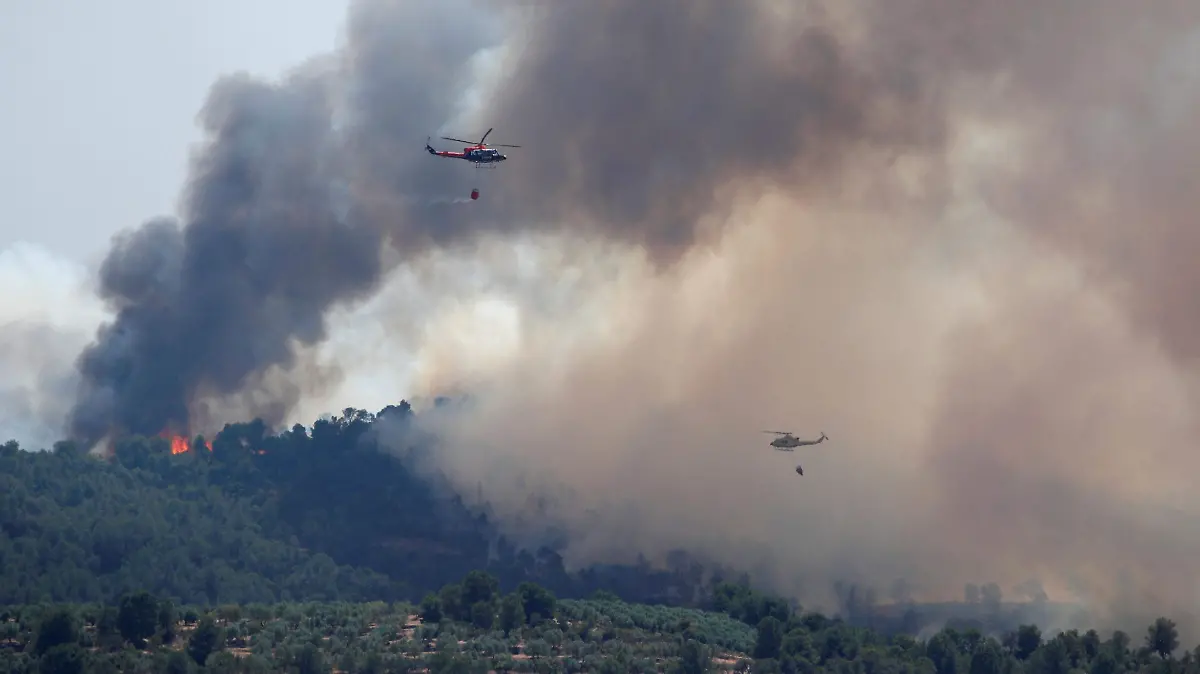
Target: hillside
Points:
(318, 515)
(313, 551)
(472, 626)
(323, 515)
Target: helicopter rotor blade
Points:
(504, 146)
(778, 432)
(484, 137)
(457, 140)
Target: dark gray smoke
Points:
(281, 222)
(639, 113)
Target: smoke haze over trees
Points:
(955, 236)
(323, 514)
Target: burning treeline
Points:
(181, 444)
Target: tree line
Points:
(322, 514)
(473, 625)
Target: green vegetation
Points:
(317, 515)
(471, 626)
(314, 551)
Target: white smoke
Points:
(50, 311)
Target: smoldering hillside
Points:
(953, 236)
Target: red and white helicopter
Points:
(480, 154)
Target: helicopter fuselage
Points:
(483, 155)
(475, 155)
(789, 442)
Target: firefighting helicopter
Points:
(787, 442)
(479, 154)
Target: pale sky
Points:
(101, 99)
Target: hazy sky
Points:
(101, 101)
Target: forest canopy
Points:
(323, 514)
(472, 625)
(317, 513)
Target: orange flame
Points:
(180, 444)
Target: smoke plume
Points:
(282, 222)
(957, 237)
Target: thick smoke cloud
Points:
(955, 236)
(648, 109)
(281, 222)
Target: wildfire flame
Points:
(180, 444)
